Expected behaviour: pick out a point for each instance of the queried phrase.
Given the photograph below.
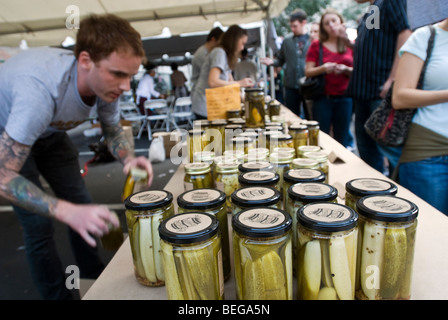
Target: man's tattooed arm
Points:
(117, 142)
(14, 187)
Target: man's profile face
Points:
(297, 27)
(111, 76)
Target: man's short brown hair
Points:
(101, 35)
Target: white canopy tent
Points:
(49, 22)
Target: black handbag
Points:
(388, 126)
(313, 88)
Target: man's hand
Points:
(139, 162)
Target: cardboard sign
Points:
(221, 99)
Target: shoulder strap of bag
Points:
(428, 55)
(321, 54)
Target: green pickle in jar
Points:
(274, 108)
(195, 142)
(313, 132)
(191, 251)
(280, 140)
(226, 179)
(262, 254)
(252, 197)
(244, 144)
(145, 211)
(299, 133)
(213, 202)
(114, 238)
(362, 187)
(327, 236)
(197, 176)
(388, 226)
(137, 180)
(254, 107)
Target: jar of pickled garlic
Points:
(195, 142)
(386, 250)
(253, 197)
(322, 158)
(197, 176)
(293, 176)
(313, 132)
(213, 202)
(299, 133)
(254, 105)
(226, 179)
(145, 211)
(259, 178)
(262, 254)
(304, 163)
(192, 254)
(256, 166)
(282, 163)
(327, 237)
(361, 187)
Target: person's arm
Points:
(311, 70)
(87, 220)
(405, 93)
(214, 81)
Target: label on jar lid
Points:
(370, 184)
(304, 149)
(327, 212)
(387, 204)
(188, 223)
(255, 193)
(261, 218)
(196, 165)
(256, 165)
(201, 195)
(311, 189)
(259, 175)
(149, 196)
(304, 173)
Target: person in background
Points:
(178, 81)
(334, 108)
(423, 166)
(217, 68)
(200, 54)
(314, 31)
(375, 59)
(291, 57)
(146, 89)
(246, 68)
(63, 89)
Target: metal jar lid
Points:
(197, 167)
(259, 178)
(255, 166)
(262, 222)
(369, 186)
(255, 197)
(148, 200)
(312, 192)
(201, 199)
(188, 228)
(327, 217)
(303, 175)
(387, 208)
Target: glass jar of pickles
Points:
(386, 250)
(282, 140)
(191, 251)
(226, 179)
(145, 211)
(259, 178)
(313, 132)
(252, 197)
(304, 163)
(262, 254)
(218, 135)
(274, 108)
(282, 163)
(244, 144)
(195, 142)
(291, 151)
(231, 131)
(304, 149)
(327, 237)
(254, 105)
(256, 166)
(197, 176)
(322, 158)
(213, 202)
(114, 238)
(235, 113)
(299, 133)
(361, 187)
(293, 176)
(137, 180)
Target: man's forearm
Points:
(117, 142)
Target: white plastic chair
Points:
(157, 110)
(129, 111)
(182, 110)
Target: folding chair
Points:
(157, 110)
(129, 111)
(182, 111)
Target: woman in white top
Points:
(217, 68)
(424, 161)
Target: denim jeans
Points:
(56, 159)
(295, 102)
(336, 111)
(428, 179)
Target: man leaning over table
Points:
(43, 93)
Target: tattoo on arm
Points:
(117, 142)
(16, 188)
